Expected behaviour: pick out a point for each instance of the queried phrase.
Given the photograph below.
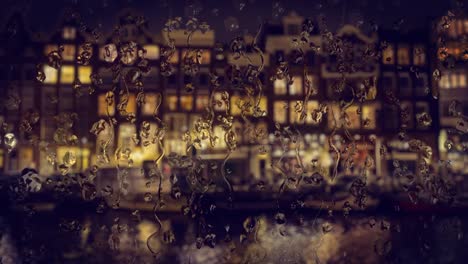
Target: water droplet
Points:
(10, 141)
(69, 159)
(148, 197)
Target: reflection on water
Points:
(323, 237)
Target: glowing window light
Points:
(84, 73)
(67, 74)
(51, 75)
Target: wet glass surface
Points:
(82, 236)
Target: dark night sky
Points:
(43, 15)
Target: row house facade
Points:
(404, 70)
(450, 38)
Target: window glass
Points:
(171, 102)
(296, 87)
(403, 55)
(126, 132)
(369, 116)
(51, 74)
(84, 73)
(280, 111)
(280, 87)
(202, 102)
(419, 55)
(103, 108)
(69, 33)
(67, 74)
(353, 120)
(49, 48)
(152, 52)
(186, 102)
(68, 53)
(151, 101)
(388, 56)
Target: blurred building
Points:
(403, 71)
(451, 71)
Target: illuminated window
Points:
(235, 110)
(202, 102)
(334, 116)
(280, 87)
(151, 101)
(68, 53)
(174, 59)
(263, 104)
(206, 57)
(369, 118)
(453, 80)
(218, 99)
(444, 82)
(219, 132)
(388, 56)
(239, 130)
(403, 55)
(296, 87)
(26, 157)
(67, 74)
(176, 122)
(62, 151)
(311, 106)
(462, 80)
(126, 132)
(51, 74)
(419, 55)
(149, 151)
(84, 73)
(131, 104)
(103, 108)
(313, 82)
(280, 111)
(353, 120)
(152, 52)
(294, 115)
(69, 33)
(171, 102)
(454, 49)
(186, 102)
(49, 48)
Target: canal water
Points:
(79, 234)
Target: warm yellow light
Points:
(151, 102)
(296, 87)
(67, 74)
(51, 75)
(152, 51)
(84, 73)
(103, 107)
(68, 53)
(279, 87)
(186, 102)
(280, 111)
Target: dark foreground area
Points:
(77, 233)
